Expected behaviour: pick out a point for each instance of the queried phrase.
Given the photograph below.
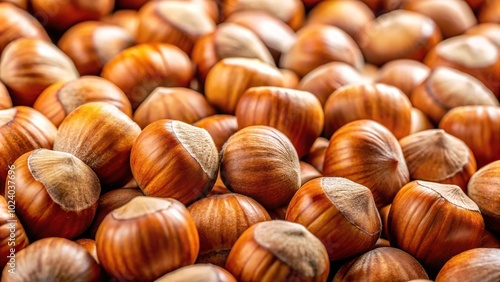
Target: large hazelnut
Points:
(222, 91)
(160, 228)
(434, 155)
(22, 129)
(28, 66)
(61, 15)
(289, 11)
(367, 153)
(261, 162)
(473, 54)
(181, 22)
(379, 102)
(276, 35)
(277, 251)
(56, 194)
(398, 35)
(61, 98)
(220, 221)
(478, 127)
(452, 17)
(17, 23)
(483, 190)
(381, 264)
(54, 259)
(220, 127)
(178, 103)
(325, 79)
(172, 159)
(138, 70)
(298, 114)
(102, 136)
(92, 44)
(319, 44)
(446, 88)
(451, 220)
(341, 213)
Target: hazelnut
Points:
(403, 74)
(126, 19)
(5, 101)
(384, 216)
(92, 44)
(481, 264)
(160, 228)
(220, 221)
(472, 54)
(354, 224)
(222, 91)
(229, 40)
(319, 44)
(382, 264)
(452, 17)
(276, 35)
(291, 78)
(61, 15)
(261, 162)
(198, 273)
(276, 251)
(489, 11)
(350, 16)
(419, 121)
(182, 104)
(22, 129)
(325, 79)
(316, 155)
(62, 98)
(172, 159)
(446, 88)
(488, 30)
(102, 136)
(62, 260)
(110, 201)
(181, 22)
(451, 220)
(9, 222)
(18, 23)
(220, 128)
(367, 153)
(434, 155)
(308, 172)
(478, 127)
(290, 12)
(298, 114)
(23, 4)
(138, 70)
(89, 245)
(482, 189)
(379, 102)
(398, 35)
(29, 65)
(59, 194)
